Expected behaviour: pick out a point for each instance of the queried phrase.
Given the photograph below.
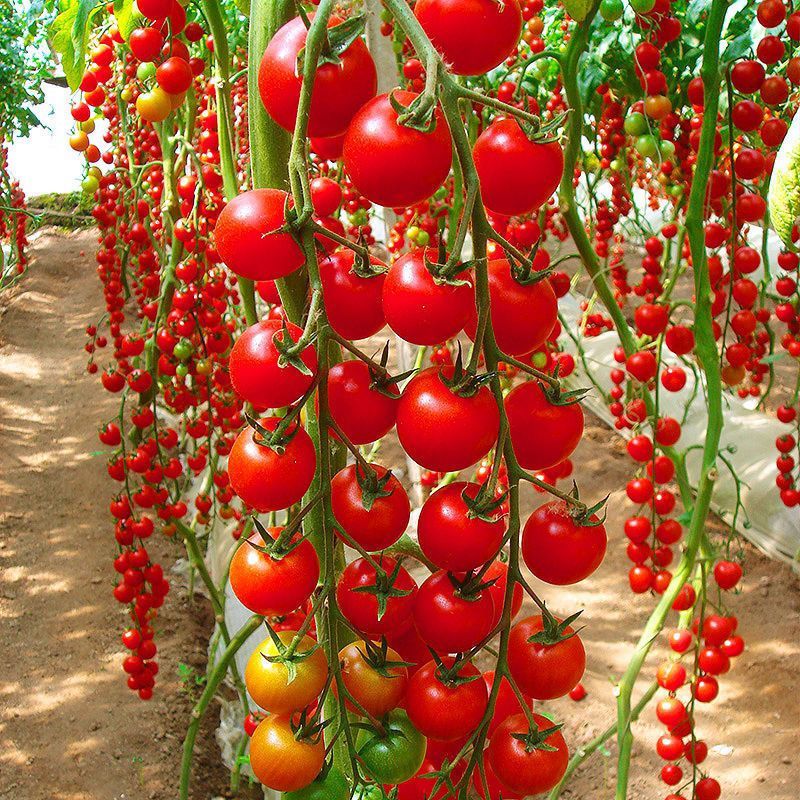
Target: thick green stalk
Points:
(269, 143)
(706, 351)
(214, 679)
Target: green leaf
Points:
(70, 31)
(578, 9)
(784, 186)
(127, 16)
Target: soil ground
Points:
(71, 730)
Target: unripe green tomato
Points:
(591, 162)
(423, 237)
(635, 124)
(90, 184)
(145, 71)
(642, 6)
(183, 350)
(611, 10)
(617, 165)
(667, 150)
(540, 69)
(182, 370)
(676, 191)
(647, 146)
(333, 786)
(397, 46)
(412, 232)
(539, 359)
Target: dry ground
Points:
(70, 730)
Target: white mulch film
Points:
(773, 528)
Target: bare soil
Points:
(71, 730)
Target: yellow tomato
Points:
(271, 684)
(88, 126)
(79, 141)
(154, 106)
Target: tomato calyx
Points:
(542, 134)
(287, 540)
(382, 381)
(464, 382)
(449, 674)
(384, 588)
(554, 631)
(372, 485)
(444, 272)
(484, 506)
(310, 729)
(338, 38)
(377, 656)
(586, 516)
(536, 738)
(419, 114)
(289, 350)
(470, 587)
(287, 654)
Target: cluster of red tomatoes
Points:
(13, 224)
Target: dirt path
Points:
(69, 727)
(70, 730)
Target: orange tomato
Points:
(377, 691)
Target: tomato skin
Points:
(448, 622)
(353, 303)
(333, 786)
(497, 790)
(339, 89)
(559, 551)
(443, 712)
(452, 539)
(441, 430)
(527, 772)
(542, 433)
(473, 36)
(360, 609)
(522, 316)
(498, 572)
(376, 693)
(273, 587)
(268, 682)
(254, 369)
(544, 671)
(266, 480)
(417, 308)
(420, 788)
(392, 165)
(517, 176)
(396, 757)
(384, 523)
(279, 761)
(246, 238)
(364, 414)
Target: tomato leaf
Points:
(578, 9)
(70, 30)
(784, 186)
(127, 16)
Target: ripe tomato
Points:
(361, 608)
(377, 689)
(274, 687)
(376, 525)
(154, 106)
(523, 315)
(449, 709)
(365, 414)
(390, 164)
(265, 479)
(421, 788)
(174, 75)
(559, 550)
(441, 430)
(517, 175)
(449, 619)
(525, 768)
(543, 433)
(257, 376)
(396, 754)
(496, 790)
(452, 535)
(273, 586)
(473, 36)
(544, 671)
(340, 89)
(247, 240)
(279, 760)
(417, 307)
(352, 302)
